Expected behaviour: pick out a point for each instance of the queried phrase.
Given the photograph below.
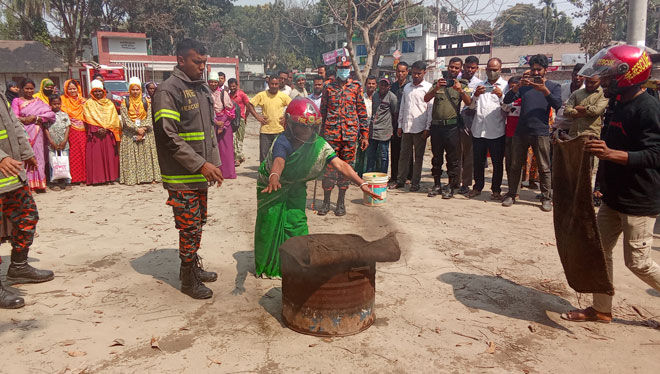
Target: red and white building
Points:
(133, 52)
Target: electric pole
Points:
(636, 34)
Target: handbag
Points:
(59, 163)
(233, 115)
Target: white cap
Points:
(97, 84)
(134, 80)
(213, 76)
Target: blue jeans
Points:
(378, 155)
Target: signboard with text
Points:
(414, 31)
(127, 46)
(329, 58)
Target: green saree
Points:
(281, 214)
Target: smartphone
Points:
(489, 88)
(538, 80)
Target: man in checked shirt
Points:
(345, 123)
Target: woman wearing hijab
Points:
(137, 150)
(12, 91)
(150, 87)
(103, 133)
(72, 104)
(34, 114)
(46, 89)
(224, 113)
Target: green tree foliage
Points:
(547, 11)
(607, 21)
(521, 24)
(525, 24)
(169, 21)
(24, 20)
(480, 26)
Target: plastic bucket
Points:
(377, 182)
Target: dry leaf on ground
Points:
(213, 361)
(76, 353)
(154, 343)
(491, 348)
(117, 342)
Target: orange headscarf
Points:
(73, 106)
(102, 113)
(135, 107)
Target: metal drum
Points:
(329, 300)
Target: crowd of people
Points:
(188, 133)
(95, 144)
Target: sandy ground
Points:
(472, 274)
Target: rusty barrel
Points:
(329, 300)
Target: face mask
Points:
(493, 75)
(343, 73)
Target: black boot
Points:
(191, 285)
(21, 272)
(203, 275)
(325, 207)
(341, 208)
(436, 189)
(10, 301)
(447, 192)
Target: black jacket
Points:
(634, 188)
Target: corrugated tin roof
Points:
(20, 56)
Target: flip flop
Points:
(587, 315)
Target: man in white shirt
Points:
(414, 124)
(369, 94)
(284, 78)
(488, 129)
(317, 90)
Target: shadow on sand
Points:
(244, 266)
(251, 172)
(271, 301)
(504, 297)
(162, 264)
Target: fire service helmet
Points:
(302, 112)
(627, 65)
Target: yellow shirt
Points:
(272, 107)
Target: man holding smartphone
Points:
(488, 129)
(538, 96)
(448, 93)
(469, 74)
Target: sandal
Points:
(587, 315)
(496, 196)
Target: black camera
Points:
(450, 83)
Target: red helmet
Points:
(303, 112)
(628, 65)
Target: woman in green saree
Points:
(297, 156)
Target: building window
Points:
(408, 46)
(361, 50)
